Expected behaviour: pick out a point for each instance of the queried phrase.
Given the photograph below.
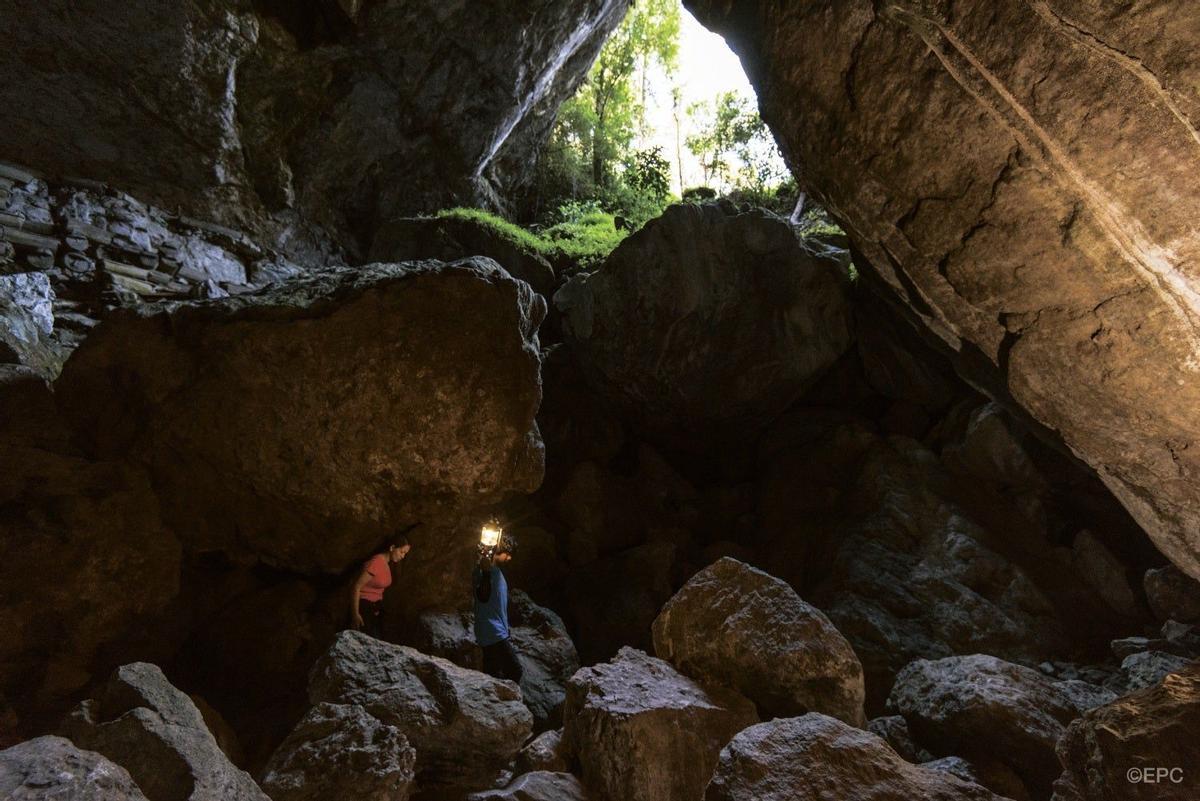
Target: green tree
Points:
(602, 115)
(734, 146)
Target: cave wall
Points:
(281, 116)
(1021, 175)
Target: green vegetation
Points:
(584, 236)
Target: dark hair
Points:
(507, 544)
(399, 541)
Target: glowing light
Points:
(489, 536)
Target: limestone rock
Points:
(982, 706)
(547, 655)
(450, 238)
(247, 110)
(543, 752)
(1154, 727)
(1033, 206)
(816, 757)
(155, 732)
(537, 786)
(1149, 667)
(705, 321)
(26, 323)
(1172, 594)
(340, 751)
(1106, 574)
(737, 626)
(643, 732)
(342, 431)
(465, 725)
(912, 574)
(1084, 695)
(53, 769)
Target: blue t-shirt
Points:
(491, 616)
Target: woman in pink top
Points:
(366, 606)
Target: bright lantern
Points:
(489, 537)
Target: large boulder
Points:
(339, 751)
(449, 238)
(465, 725)
(1116, 751)
(815, 757)
(642, 731)
(706, 322)
(734, 625)
(153, 730)
(537, 786)
(980, 706)
(53, 769)
(243, 110)
(342, 429)
(1021, 176)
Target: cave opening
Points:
(669, 431)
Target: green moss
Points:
(513, 233)
(585, 239)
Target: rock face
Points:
(155, 732)
(818, 757)
(331, 372)
(465, 725)
(53, 769)
(912, 575)
(1150, 729)
(742, 628)
(980, 705)
(340, 751)
(245, 110)
(1035, 211)
(450, 238)
(115, 565)
(26, 322)
(643, 732)
(706, 322)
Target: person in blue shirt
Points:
(491, 613)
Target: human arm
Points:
(483, 581)
(360, 582)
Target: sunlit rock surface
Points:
(1153, 728)
(1020, 175)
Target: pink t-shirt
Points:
(381, 578)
